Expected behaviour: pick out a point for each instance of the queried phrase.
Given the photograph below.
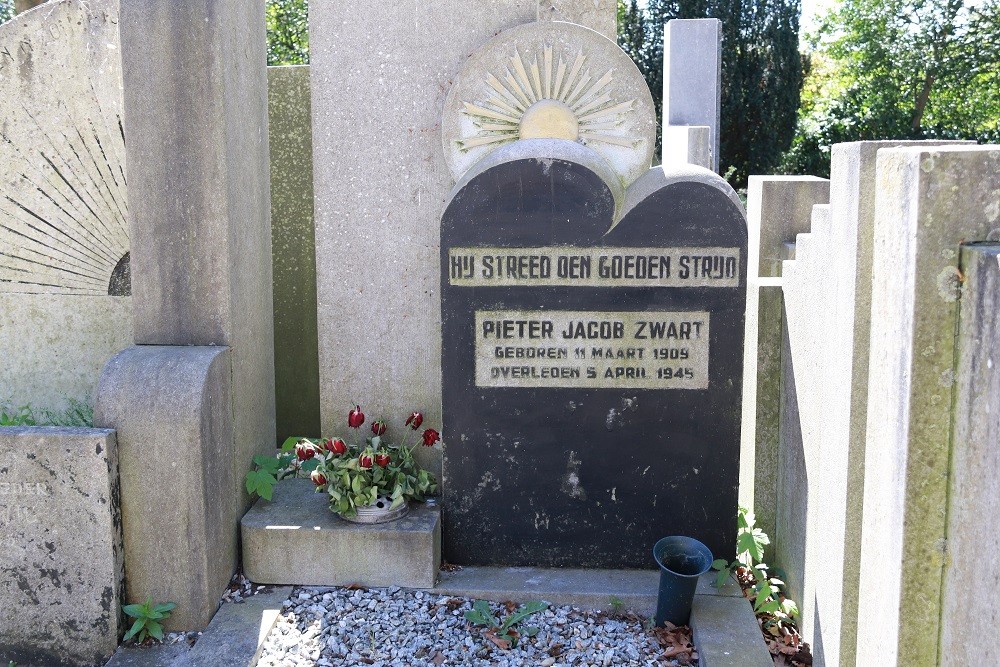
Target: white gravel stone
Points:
(399, 628)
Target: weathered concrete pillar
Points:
(929, 201)
(195, 90)
(778, 208)
(381, 183)
(971, 587)
(193, 411)
(828, 301)
(692, 80)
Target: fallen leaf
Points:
(502, 644)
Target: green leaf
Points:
(789, 607)
(289, 444)
(135, 627)
(746, 543)
(721, 578)
(133, 610)
(269, 463)
(260, 482)
(483, 607)
(527, 609)
(720, 564)
(165, 607)
(529, 632)
(155, 629)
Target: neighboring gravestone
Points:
(64, 242)
(593, 347)
(61, 565)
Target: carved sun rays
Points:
(546, 99)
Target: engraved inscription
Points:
(586, 349)
(594, 267)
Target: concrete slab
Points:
(172, 655)
(726, 633)
(237, 632)
(590, 589)
(295, 539)
(232, 639)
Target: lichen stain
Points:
(571, 480)
(992, 211)
(949, 284)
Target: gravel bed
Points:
(390, 627)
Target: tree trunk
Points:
(25, 5)
(921, 103)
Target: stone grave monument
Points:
(592, 313)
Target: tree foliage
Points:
(287, 32)
(899, 69)
(761, 72)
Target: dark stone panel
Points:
(576, 476)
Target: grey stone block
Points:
(293, 249)
(61, 566)
(689, 144)
(195, 96)
(171, 408)
(692, 78)
(929, 200)
(296, 539)
(726, 633)
(236, 634)
(971, 586)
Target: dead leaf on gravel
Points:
(676, 643)
(503, 644)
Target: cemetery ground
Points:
(275, 626)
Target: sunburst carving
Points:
(63, 204)
(546, 99)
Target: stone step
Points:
(296, 539)
(232, 639)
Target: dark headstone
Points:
(591, 378)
